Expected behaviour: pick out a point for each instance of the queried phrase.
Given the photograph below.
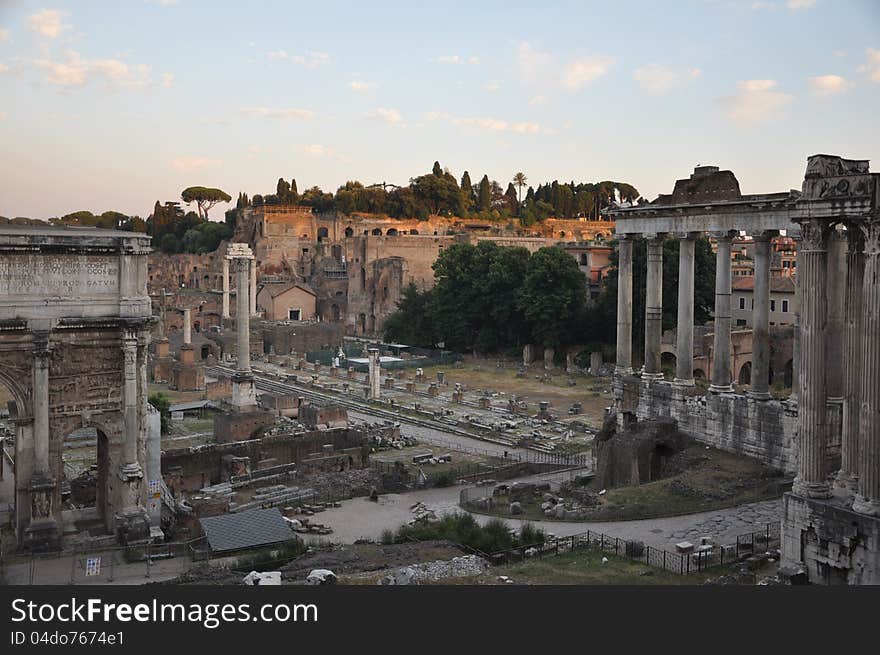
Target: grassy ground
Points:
(462, 463)
(714, 480)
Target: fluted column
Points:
(811, 480)
(867, 499)
(130, 402)
(654, 308)
(835, 330)
(241, 266)
(760, 388)
(848, 476)
(225, 287)
(721, 377)
(253, 290)
(624, 304)
(41, 405)
(684, 345)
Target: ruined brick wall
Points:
(229, 427)
(331, 416)
(300, 337)
(193, 468)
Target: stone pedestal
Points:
(244, 394)
(828, 541)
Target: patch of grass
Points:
(463, 529)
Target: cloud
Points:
(189, 164)
(871, 67)
(324, 152)
(287, 114)
(167, 80)
(492, 86)
(74, 71)
(532, 62)
(659, 79)
(455, 59)
(311, 59)
(578, 73)
(828, 85)
(390, 116)
(756, 101)
(48, 23)
(794, 5)
(492, 125)
(361, 87)
(4, 34)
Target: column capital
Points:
(814, 234)
(871, 233)
(654, 236)
(41, 348)
(626, 236)
(241, 264)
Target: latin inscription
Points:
(59, 275)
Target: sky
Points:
(116, 104)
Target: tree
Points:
(484, 197)
(553, 297)
(204, 197)
(412, 322)
(163, 404)
(520, 181)
(437, 170)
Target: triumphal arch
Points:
(74, 331)
(828, 432)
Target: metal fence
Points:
(679, 563)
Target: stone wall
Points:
(734, 423)
(835, 544)
(229, 427)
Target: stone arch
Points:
(699, 374)
(20, 394)
(377, 232)
(349, 232)
(414, 232)
(103, 487)
(392, 232)
(745, 373)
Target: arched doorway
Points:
(377, 232)
(745, 374)
(392, 232)
(322, 233)
(349, 232)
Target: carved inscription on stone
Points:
(59, 275)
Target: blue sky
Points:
(115, 104)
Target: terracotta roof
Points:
(276, 289)
(778, 283)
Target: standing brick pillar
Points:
(811, 480)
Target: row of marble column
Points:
(856, 379)
(859, 473)
(722, 380)
(250, 280)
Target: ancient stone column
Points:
(41, 405)
(375, 370)
(654, 308)
(847, 477)
(624, 304)
(684, 345)
(721, 377)
(187, 327)
(760, 389)
(225, 287)
(867, 499)
(253, 290)
(834, 333)
(130, 400)
(811, 480)
(241, 266)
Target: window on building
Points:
(753, 303)
(785, 306)
(293, 314)
(772, 305)
(742, 303)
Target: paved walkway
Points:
(362, 518)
